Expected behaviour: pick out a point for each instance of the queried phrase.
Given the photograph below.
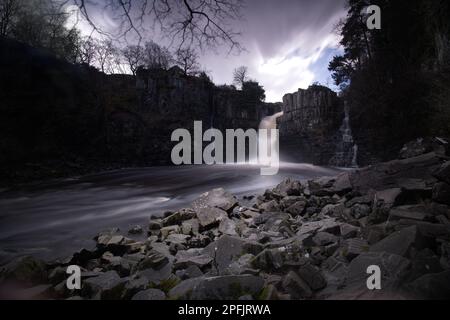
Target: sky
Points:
(289, 44)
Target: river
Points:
(54, 219)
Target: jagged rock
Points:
(342, 185)
(296, 287)
(297, 209)
(288, 187)
(428, 230)
(364, 199)
(393, 268)
(190, 227)
(210, 216)
(360, 210)
(149, 294)
(28, 270)
(355, 247)
(271, 206)
(154, 260)
(276, 222)
(443, 173)
(135, 230)
(155, 224)
(133, 286)
(183, 290)
(441, 193)
(190, 272)
(228, 249)
(107, 286)
(326, 225)
(434, 286)
(324, 239)
(348, 231)
(191, 257)
(401, 242)
(383, 202)
(227, 287)
(168, 230)
(178, 217)
(321, 187)
(408, 212)
(228, 227)
(312, 276)
(242, 266)
(176, 238)
(333, 210)
(217, 198)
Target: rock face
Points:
(341, 227)
(310, 128)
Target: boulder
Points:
(401, 242)
(210, 216)
(288, 187)
(324, 239)
(228, 249)
(190, 227)
(408, 212)
(178, 217)
(325, 225)
(435, 286)
(136, 230)
(296, 287)
(228, 227)
(168, 230)
(28, 270)
(354, 247)
(191, 257)
(217, 198)
(297, 209)
(342, 185)
(107, 286)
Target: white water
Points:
(346, 150)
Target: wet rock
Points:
(107, 286)
(169, 230)
(296, 287)
(154, 260)
(191, 257)
(27, 270)
(271, 206)
(441, 193)
(393, 268)
(227, 287)
(355, 247)
(136, 230)
(150, 294)
(228, 227)
(408, 212)
(401, 242)
(190, 227)
(155, 224)
(288, 187)
(228, 249)
(217, 198)
(210, 216)
(178, 217)
(324, 239)
(297, 209)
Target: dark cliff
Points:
(313, 128)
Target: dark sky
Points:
(289, 44)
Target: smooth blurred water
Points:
(54, 219)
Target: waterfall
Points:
(268, 123)
(346, 154)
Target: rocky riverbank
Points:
(301, 240)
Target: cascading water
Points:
(269, 123)
(346, 154)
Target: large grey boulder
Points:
(401, 242)
(210, 216)
(296, 286)
(217, 198)
(229, 249)
(107, 286)
(191, 257)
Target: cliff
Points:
(315, 128)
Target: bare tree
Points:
(157, 57)
(8, 9)
(202, 23)
(106, 52)
(134, 56)
(240, 76)
(87, 51)
(187, 59)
